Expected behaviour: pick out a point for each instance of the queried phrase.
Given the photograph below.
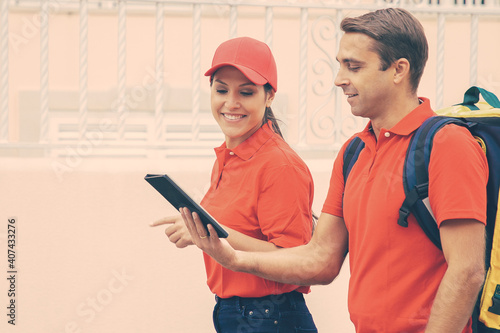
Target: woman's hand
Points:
(176, 231)
(217, 248)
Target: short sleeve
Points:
(458, 175)
(334, 197)
(284, 205)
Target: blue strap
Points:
(351, 155)
(417, 193)
(416, 175)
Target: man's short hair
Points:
(397, 34)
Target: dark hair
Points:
(269, 114)
(397, 34)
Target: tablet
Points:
(178, 198)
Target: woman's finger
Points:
(165, 220)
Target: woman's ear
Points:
(401, 70)
(270, 97)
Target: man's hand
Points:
(176, 230)
(217, 248)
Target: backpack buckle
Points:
(422, 190)
(403, 217)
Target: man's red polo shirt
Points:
(395, 271)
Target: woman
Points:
(261, 192)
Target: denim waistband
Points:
(286, 299)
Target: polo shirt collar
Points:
(250, 146)
(411, 121)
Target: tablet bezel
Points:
(178, 198)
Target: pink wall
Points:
(87, 261)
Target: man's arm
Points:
(317, 262)
(463, 243)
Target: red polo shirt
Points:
(263, 189)
(396, 271)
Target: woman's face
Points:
(238, 105)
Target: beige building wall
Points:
(63, 75)
(86, 259)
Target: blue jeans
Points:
(286, 313)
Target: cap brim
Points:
(249, 73)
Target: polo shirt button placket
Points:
(387, 134)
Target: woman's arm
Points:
(283, 210)
(178, 234)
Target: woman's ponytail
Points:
(269, 115)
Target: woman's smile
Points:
(238, 104)
(233, 117)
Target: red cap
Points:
(252, 57)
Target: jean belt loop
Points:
(294, 297)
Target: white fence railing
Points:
(162, 111)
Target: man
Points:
(400, 281)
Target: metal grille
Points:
(140, 120)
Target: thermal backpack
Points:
(482, 118)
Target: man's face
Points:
(367, 87)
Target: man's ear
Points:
(401, 70)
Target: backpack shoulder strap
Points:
(415, 174)
(416, 177)
(351, 154)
